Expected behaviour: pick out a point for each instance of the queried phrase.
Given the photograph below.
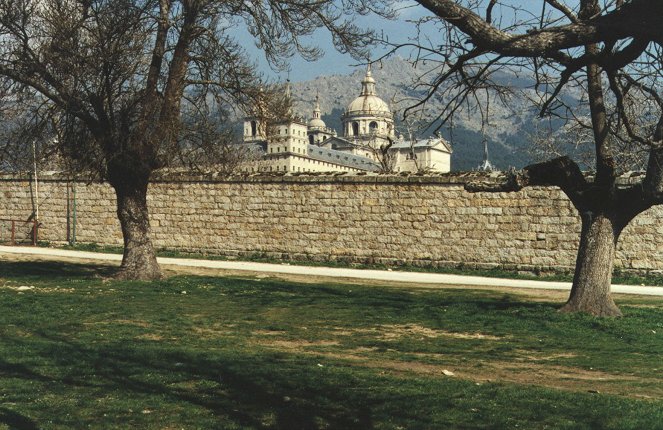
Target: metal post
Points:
(34, 160)
(68, 215)
(73, 226)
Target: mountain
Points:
(508, 131)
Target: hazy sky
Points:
(335, 63)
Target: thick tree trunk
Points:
(139, 260)
(593, 273)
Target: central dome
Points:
(368, 101)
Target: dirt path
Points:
(537, 290)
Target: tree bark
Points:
(590, 292)
(139, 260)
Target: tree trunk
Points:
(593, 273)
(139, 260)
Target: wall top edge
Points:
(451, 178)
(303, 178)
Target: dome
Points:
(371, 103)
(368, 101)
(317, 123)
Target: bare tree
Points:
(384, 155)
(117, 76)
(598, 67)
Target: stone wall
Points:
(363, 218)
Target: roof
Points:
(337, 139)
(433, 143)
(342, 158)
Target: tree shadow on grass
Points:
(16, 421)
(235, 388)
(53, 270)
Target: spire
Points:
(288, 96)
(368, 84)
(316, 109)
(316, 122)
(486, 165)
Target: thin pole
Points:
(68, 213)
(34, 160)
(73, 225)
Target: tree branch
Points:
(564, 9)
(639, 18)
(560, 172)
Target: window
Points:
(355, 128)
(254, 128)
(373, 127)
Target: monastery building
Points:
(368, 142)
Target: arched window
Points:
(254, 128)
(310, 139)
(355, 128)
(373, 127)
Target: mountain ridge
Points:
(507, 132)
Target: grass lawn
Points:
(80, 351)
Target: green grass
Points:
(619, 277)
(81, 351)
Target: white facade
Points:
(432, 155)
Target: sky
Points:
(333, 62)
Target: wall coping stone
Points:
(303, 178)
(174, 176)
